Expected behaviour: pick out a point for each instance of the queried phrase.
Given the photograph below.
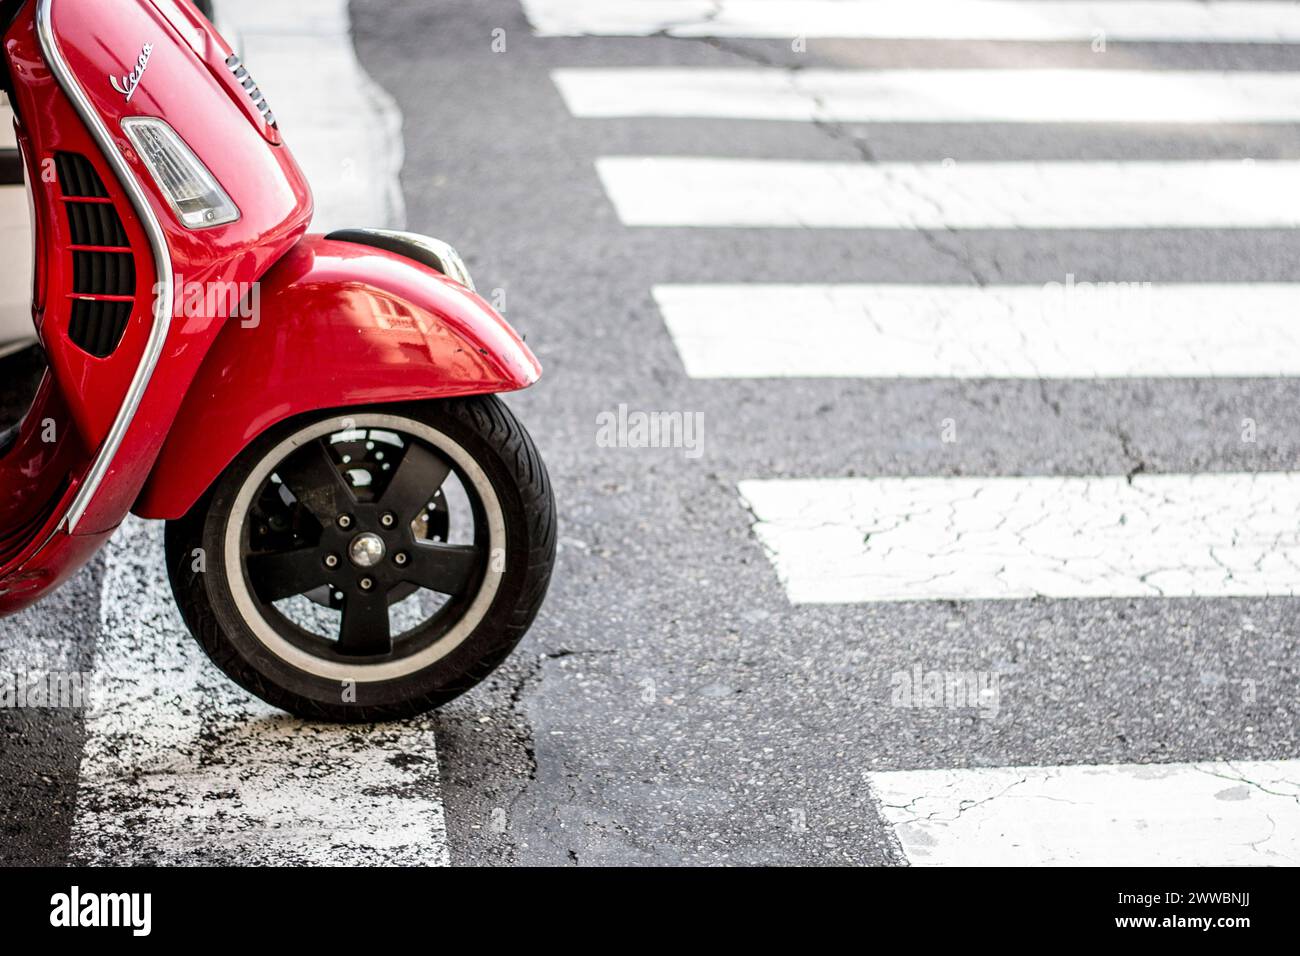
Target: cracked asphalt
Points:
(670, 705)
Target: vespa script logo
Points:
(128, 83)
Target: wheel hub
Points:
(367, 550)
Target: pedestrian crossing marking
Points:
(855, 540)
(1086, 21)
(1243, 813)
(181, 766)
(761, 193)
(934, 96)
(1061, 329)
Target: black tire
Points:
(498, 444)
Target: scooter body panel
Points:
(185, 81)
(151, 422)
(158, 178)
(70, 61)
(58, 559)
(339, 325)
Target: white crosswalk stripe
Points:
(687, 191)
(905, 539)
(1063, 329)
(858, 540)
(935, 96)
(180, 765)
(1184, 21)
(1205, 814)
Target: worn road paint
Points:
(183, 767)
(1178, 21)
(180, 765)
(934, 96)
(1064, 329)
(853, 540)
(670, 191)
(1205, 814)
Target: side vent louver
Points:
(103, 266)
(246, 80)
(97, 326)
(103, 273)
(95, 224)
(77, 178)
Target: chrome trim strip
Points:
(162, 266)
(453, 266)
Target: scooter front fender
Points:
(332, 325)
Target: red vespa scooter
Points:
(357, 529)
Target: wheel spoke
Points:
(279, 576)
(314, 479)
(364, 630)
(420, 474)
(445, 568)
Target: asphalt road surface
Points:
(955, 558)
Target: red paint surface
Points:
(339, 325)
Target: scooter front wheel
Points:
(370, 564)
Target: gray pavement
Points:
(757, 715)
(671, 705)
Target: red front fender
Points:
(338, 325)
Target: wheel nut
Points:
(331, 560)
(366, 584)
(400, 559)
(345, 521)
(388, 520)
